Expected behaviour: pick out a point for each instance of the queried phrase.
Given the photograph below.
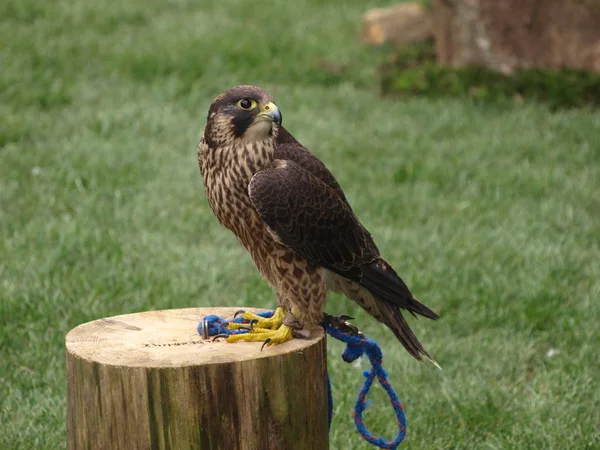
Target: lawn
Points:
(490, 212)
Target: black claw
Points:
(220, 336)
(252, 322)
(327, 318)
(238, 312)
(225, 324)
(340, 322)
(245, 328)
(267, 340)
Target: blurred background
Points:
(469, 146)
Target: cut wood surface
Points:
(148, 380)
(400, 24)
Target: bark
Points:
(512, 34)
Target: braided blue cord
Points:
(356, 346)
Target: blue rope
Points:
(356, 346)
(329, 401)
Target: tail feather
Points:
(391, 316)
(385, 284)
(386, 312)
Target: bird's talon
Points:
(267, 341)
(255, 321)
(217, 336)
(265, 335)
(341, 323)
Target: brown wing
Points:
(310, 217)
(289, 149)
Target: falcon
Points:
(289, 212)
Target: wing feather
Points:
(289, 149)
(310, 217)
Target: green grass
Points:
(491, 213)
(414, 71)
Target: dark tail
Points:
(385, 284)
(391, 316)
(391, 294)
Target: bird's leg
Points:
(288, 323)
(256, 321)
(268, 337)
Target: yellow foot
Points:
(269, 337)
(271, 323)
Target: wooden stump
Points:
(509, 35)
(149, 381)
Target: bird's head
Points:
(245, 113)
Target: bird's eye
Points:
(247, 104)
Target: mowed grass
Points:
(491, 213)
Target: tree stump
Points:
(149, 381)
(509, 35)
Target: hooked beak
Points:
(271, 112)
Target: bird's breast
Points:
(226, 173)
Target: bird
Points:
(289, 212)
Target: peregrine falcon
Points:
(291, 215)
